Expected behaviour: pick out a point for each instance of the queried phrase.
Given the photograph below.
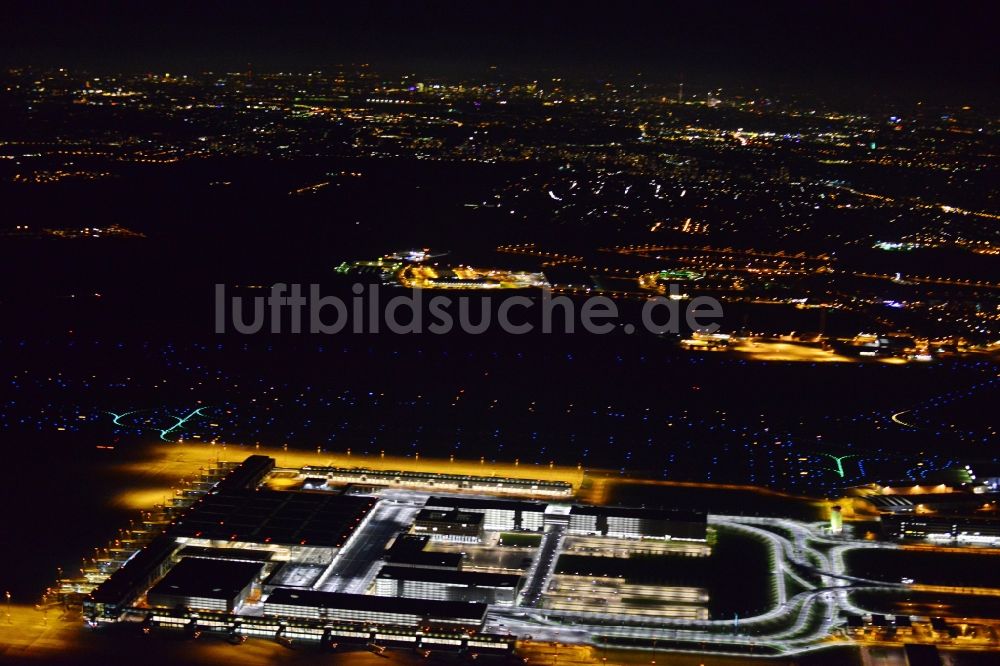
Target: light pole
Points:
(7, 595)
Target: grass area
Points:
(736, 574)
(793, 587)
(519, 540)
(929, 568)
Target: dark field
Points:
(715, 500)
(928, 604)
(933, 568)
(736, 574)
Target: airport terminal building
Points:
(443, 585)
(329, 563)
(629, 523)
(498, 515)
(943, 529)
(207, 584)
(366, 608)
(450, 525)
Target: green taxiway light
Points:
(840, 462)
(180, 423)
(180, 420)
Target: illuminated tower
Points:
(836, 520)
(680, 94)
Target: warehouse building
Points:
(442, 585)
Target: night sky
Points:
(888, 47)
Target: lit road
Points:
(800, 552)
(543, 564)
(354, 567)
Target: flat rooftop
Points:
(445, 577)
(212, 579)
(238, 554)
(138, 568)
(247, 475)
(431, 609)
(464, 480)
(409, 550)
(295, 574)
(484, 503)
(449, 516)
(279, 517)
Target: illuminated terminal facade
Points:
(943, 529)
(498, 515)
(493, 485)
(450, 525)
(366, 608)
(629, 523)
(443, 585)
